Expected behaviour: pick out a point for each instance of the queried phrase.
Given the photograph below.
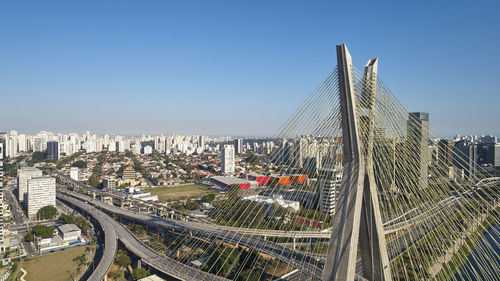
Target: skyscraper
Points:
(41, 193)
(329, 186)
(418, 148)
(23, 175)
(53, 150)
(227, 159)
(238, 146)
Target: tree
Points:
(208, 198)
(138, 229)
(223, 261)
(190, 205)
(65, 219)
(123, 260)
(249, 275)
(79, 164)
(82, 223)
(29, 237)
(43, 231)
(38, 156)
(80, 260)
(47, 212)
(117, 274)
(94, 181)
(139, 273)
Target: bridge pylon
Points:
(357, 220)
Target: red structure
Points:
(289, 179)
(260, 179)
(308, 222)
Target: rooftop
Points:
(68, 228)
(230, 180)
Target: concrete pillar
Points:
(357, 209)
(139, 263)
(294, 243)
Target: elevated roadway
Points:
(147, 255)
(305, 263)
(110, 238)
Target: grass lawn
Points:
(178, 192)
(52, 266)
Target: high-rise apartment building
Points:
(22, 143)
(53, 150)
(329, 186)
(74, 173)
(227, 159)
(41, 193)
(238, 146)
(23, 175)
(201, 142)
(418, 147)
(129, 173)
(109, 182)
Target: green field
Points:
(178, 192)
(58, 266)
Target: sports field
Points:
(58, 266)
(179, 192)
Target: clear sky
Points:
(238, 67)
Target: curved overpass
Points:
(110, 239)
(137, 247)
(305, 263)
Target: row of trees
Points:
(123, 261)
(41, 231)
(46, 213)
(236, 263)
(79, 221)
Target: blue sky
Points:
(237, 67)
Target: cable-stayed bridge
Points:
(380, 202)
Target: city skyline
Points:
(239, 69)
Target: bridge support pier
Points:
(357, 217)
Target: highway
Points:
(247, 237)
(110, 237)
(305, 263)
(401, 222)
(132, 243)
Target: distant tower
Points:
(201, 142)
(238, 146)
(418, 146)
(53, 150)
(227, 159)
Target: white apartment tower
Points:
(41, 193)
(227, 159)
(74, 173)
(23, 175)
(329, 186)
